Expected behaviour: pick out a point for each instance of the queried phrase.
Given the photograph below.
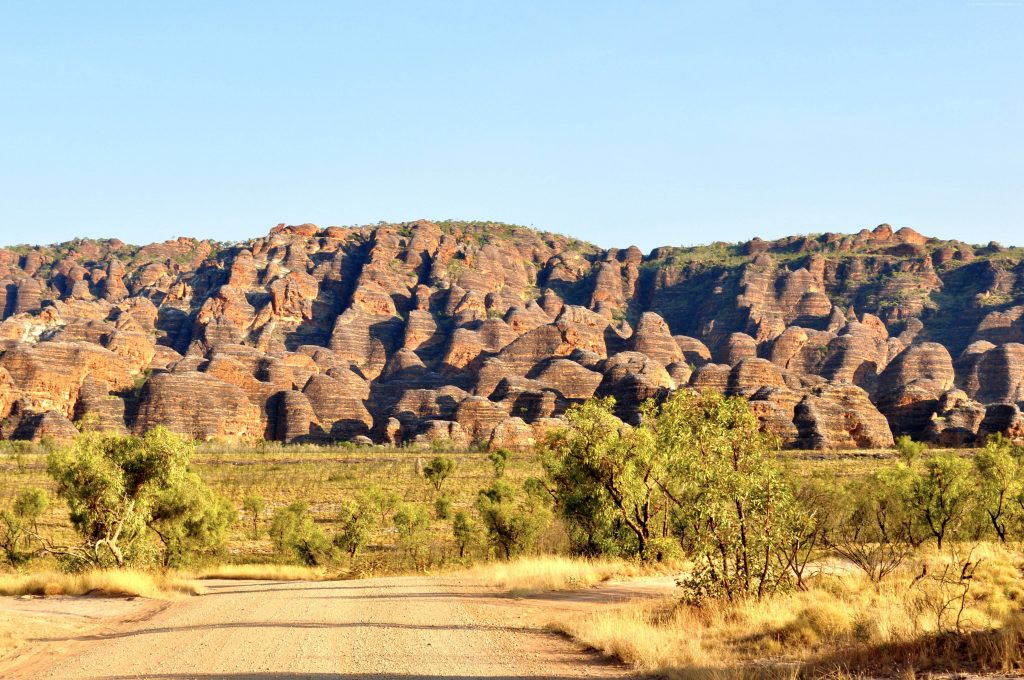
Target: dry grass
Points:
(549, 573)
(260, 572)
(842, 625)
(111, 583)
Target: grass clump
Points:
(260, 572)
(103, 582)
(548, 573)
(843, 624)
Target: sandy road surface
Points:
(402, 628)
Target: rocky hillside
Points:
(483, 333)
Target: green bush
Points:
(464, 531)
(413, 533)
(438, 470)
(499, 459)
(443, 507)
(19, 524)
(512, 524)
(255, 506)
(295, 535)
(356, 522)
(908, 450)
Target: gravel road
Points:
(401, 628)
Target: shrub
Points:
(18, 525)
(513, 525)
(1000, 486)
(874, 522)
(357, 520)
(413, 533)
(464, 531)
(944, 494)
(255, 506)
(190, 520)
(733, 510)
(443, 507)
(908, 450)
(499, 459)
(294, 534)
(608, 485)
(438, 470)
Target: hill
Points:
(484, 333)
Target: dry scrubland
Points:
(838, 623)
(323, 476)
(842, 624)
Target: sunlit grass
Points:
(842, 624)
(106, 582)
(260, 572)
(550, 573)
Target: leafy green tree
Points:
(908, 450)
(30, 504)
(190, 520)
(413, 532)
(295, 534)
(513, 524)
(110, 484)
(357, 520)
(499, 459)
(464, 531)
(19, 524)
(438, 470)
(873, 522)
(944, 494)
(255, 506)
(384, 502)
(999, 484)
(734, 511)
(609, 481)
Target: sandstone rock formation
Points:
(484, 334)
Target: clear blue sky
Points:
(617, 122)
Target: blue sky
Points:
(621, 123)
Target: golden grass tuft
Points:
(110, 583)
(841, 625)
(529, 575)
(260, 572)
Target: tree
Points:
(438, 470)
(19, 524)
(734, 511)
(255, 506)
(384, 502)
(294, 533)
(873, 522)
(944, 494)
(189, 519)
(608, 480)
(513, 525)
(30, 504)
(464, 531)
(499, 459)
(999, 484)
(110, 484)
(413, 532)
(357, 520)
(908, 450)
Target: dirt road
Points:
(401, 628)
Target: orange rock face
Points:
(485, 333)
